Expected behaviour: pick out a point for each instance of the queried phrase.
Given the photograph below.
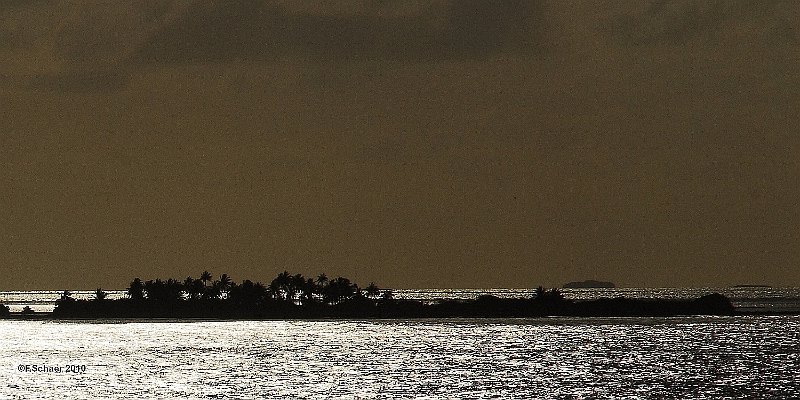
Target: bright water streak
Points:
(697, 357)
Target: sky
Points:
(416, 144)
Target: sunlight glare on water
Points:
(529, 358)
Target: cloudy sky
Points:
(425, 143)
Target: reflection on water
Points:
(540, 358)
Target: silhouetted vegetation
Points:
(4, 311)
(552, 296)
(136, 289)
(286, 296)
(296, 296)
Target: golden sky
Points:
(415, 144)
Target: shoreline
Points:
(547, 304)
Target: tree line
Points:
(286, 287)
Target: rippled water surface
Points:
(747, 357)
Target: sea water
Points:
(751, 356)
(686, 357)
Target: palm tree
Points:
(373, 290)
(282, 286)
(553, 295)
(242, 294)
(136, 289)
(322, 279)
(197, 288)
(274, 289)
(309, 290)
(190, 286)
(261, 291)
(173, 290)
(298, 283)
(214, 291)
(99, 294)
(153, 289)
(205, 277)
(339, 289)
(224, 282)
(220, 288)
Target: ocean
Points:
(750, 356)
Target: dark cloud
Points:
(677, 22)
(89, 43)
(77, 47)
(106, 34)
(96, 43)
(263, 31)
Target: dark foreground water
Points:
(697, 357)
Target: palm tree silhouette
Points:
(261, 291)
(214, 291)
(549, 296)
(190, 287)
(297, 285)
(339, 289)
(308, 291)
(373, 290)
(198, 288)
(274, 289)
(205, 277)
(224, 282)
(282, 286)
(322, 279)
(136, 289)
(99, 294)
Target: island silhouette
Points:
(294, 296)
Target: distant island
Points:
(589, 284)
(295, 296)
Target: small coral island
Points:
(295, 296)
